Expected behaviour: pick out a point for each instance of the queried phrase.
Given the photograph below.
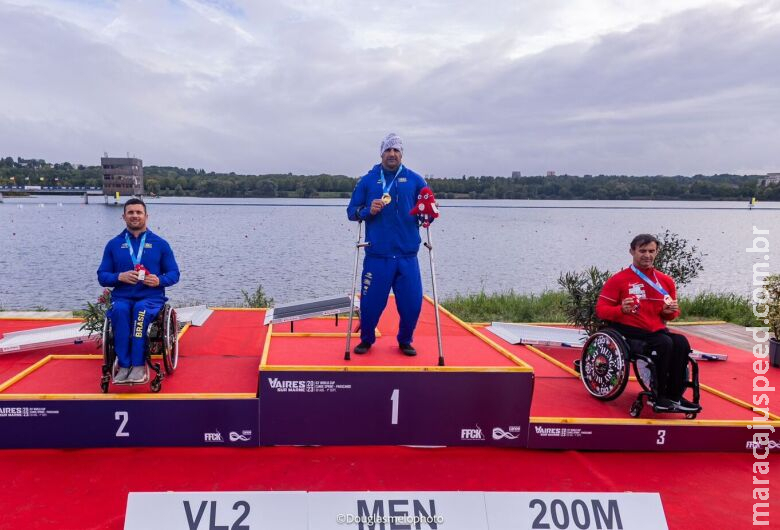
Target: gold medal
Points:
(386, 198)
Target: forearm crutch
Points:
(429, 245)
(358, 245)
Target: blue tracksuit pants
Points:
(131, 319)
(379, 276)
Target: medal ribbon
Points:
(136, 259)
(386, 187)
(654, 284)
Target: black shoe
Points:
(687, 406)
(362, 348)
(664, 404)
(407, 349)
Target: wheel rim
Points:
(109, 355)
(603, 366)
(643, 374)
(172, 341)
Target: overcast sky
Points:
(476, 88)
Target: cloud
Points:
(666, 87)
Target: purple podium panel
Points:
(394, 408)
(644, 437)
(128, 423)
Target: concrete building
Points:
(123, 175)
(771, 178)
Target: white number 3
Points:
(661, 437)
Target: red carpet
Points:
(461, 348)
(560, 394)
(87, 489)
(222, 356)
(734, 376)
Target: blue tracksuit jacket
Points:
(157, 258)
(134, 306)
(391, 257)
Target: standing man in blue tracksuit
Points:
(383, 199)
(139, 265)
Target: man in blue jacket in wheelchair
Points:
(638, 302)
(139, 265)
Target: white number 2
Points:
(394, 399)
(661, 437)
(121, 416)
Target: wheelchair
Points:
(162, 339)
(605, 367)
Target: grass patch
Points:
(719, 306)
(510, 306)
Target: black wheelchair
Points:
(605, 367)
(162, 339)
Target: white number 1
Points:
(394, 399)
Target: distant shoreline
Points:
(517, 203)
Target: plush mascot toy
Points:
(425, 209)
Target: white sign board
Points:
(397, 510)
(405, 510)
(570, 511)
(216, 511)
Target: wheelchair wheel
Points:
(170, 350)
(604, 367)
(636, 408)
(109, 354)
(644, 374)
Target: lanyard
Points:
(654, 284)
(386, 187)
(136, 260)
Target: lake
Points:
(50, 246)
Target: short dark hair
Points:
(134, 200)
(644, 239)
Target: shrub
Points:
(678, 259)
(582, 292)
(258, 298)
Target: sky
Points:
(668, 87)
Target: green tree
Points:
(677, 258)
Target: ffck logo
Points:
(213, 437)
(474, 434)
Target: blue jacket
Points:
(157, 258)
(393, 231)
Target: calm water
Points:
(50, 247)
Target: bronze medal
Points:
(386, 198)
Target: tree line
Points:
(190, 182)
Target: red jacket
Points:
(627, 283)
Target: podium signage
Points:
(570, 511)
(216, 511)
(405, 510)
(397, 510)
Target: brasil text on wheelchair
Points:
(162, 340)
